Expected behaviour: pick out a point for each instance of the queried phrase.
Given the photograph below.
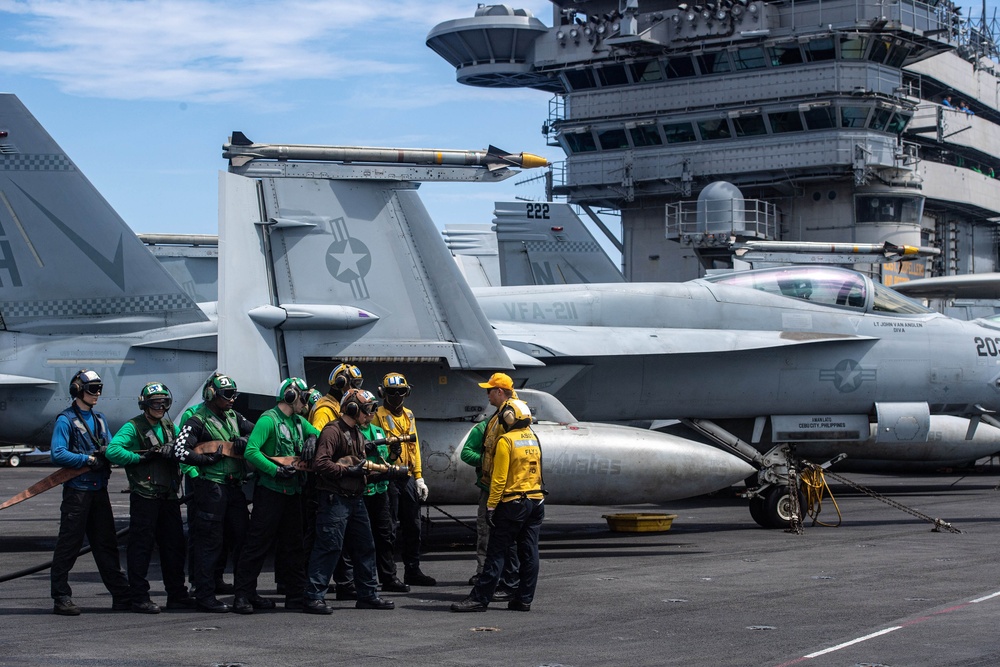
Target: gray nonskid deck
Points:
(714, 590)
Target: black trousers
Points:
(517, 522)
(405, 508)
(384, 533)
(220, 515)
(276, 521)
(343, 573)
(156, 521)
(87, 514)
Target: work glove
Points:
(99, 462)
(285, 472)
(422, 490)
(214, 457)
(149, 455)
(240, 445)
(489, 518)
(397, 472)
(395, 450)
(371, 449)
(308, 452)
(357, 470)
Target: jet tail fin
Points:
(546, 243)
(321, 268)
(54, 224)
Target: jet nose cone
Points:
(588, 463)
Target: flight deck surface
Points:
(882, 589)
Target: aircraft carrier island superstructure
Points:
(837, 120)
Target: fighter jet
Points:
(79, 290)
(758, 361)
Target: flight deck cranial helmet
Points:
(219, 385)
(345, 376)
(291, 390)
(394, 388)
(356, 401)
(515, 414)
(156, 396)
(313, 397)
(85, 381)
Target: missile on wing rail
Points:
(828, 253)
(241, 150)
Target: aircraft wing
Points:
(977, 286)
(546, 340)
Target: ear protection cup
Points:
(290, 395)
(508, 417)
(75, 386)
(352, 409)
(208, 391)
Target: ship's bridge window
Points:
(854, 116)
(679, 133)
(820, 49)
(580, 79)
(714, 128)
(580, 142)
(646, 72)
(897, 54)
(749, 58)
(680, 67)
(645, 135)
(880, 119)
(852, 48)
(714, 63)
(786, 53)
(829, 286)
(820, 118)
(785, 121)
(881, 47)
(882, 207)
(890, 301)
(750, 125)
(613, 139)
(898, 123)
(612, 75)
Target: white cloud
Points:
(211, 51)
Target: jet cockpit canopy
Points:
(826, 285)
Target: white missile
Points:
(591, 464)
(241, 150)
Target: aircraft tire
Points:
(757, 512)
(14, 461)
(776, 508)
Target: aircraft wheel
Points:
(757, 511)
(14, 461)
(777, 508)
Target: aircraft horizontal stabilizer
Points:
(547, 340)
(16, 380)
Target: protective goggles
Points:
(357, 382)
(227, 393)
(158, 404)
(396, 391)
(368, 408)
(94, 388)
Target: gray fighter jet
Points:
(758, 361)
(79, 290)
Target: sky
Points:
(142, 94)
